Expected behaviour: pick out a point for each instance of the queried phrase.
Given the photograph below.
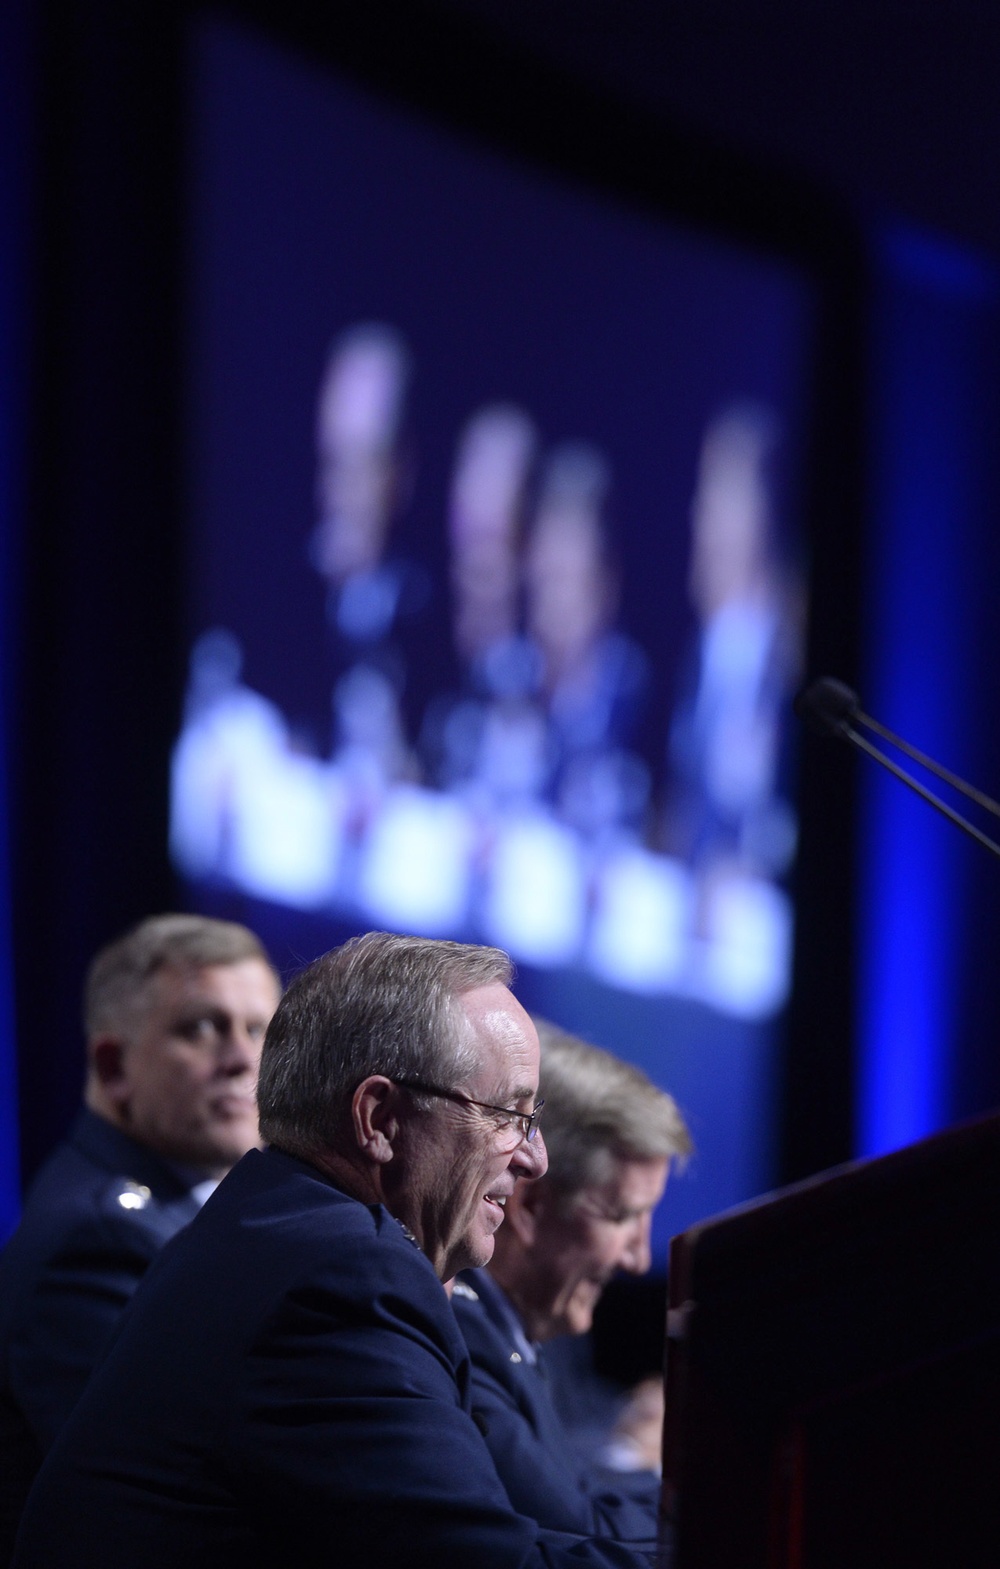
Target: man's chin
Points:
(472, 1255)
(579, 1315)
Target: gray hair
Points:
(598, 1108)
(380, 1004)
(120, 972)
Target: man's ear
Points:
(106, 1056)
(524, 1209)
(375, 1118)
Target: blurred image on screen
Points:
(495, 577)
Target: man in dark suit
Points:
(289, 1384)
(174, 1015)
(611, 1135)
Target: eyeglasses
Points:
(525, 1121)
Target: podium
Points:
(833, 1369)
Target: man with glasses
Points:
(290, 1384)
(611, 1135)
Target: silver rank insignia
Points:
(134, 1195)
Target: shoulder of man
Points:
(484, 1312)
(102, 1186)
(284, 1227)
(500, 1359)
(88, 1233)
(281, 1260)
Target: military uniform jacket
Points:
(96, 1216)
(288, 1386)
(514, 1410)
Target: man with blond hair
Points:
(174, 1017)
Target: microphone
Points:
(826, 706)
(831, 708)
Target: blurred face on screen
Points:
(357, 425)
(729, 517)
(491, 469)
(179, 1075)
(570, 590)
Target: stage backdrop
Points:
(495, 578)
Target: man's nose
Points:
(239, 1051)
(531, 1159)
(637, 1256)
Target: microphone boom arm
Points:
(932, 767)
(850, 734)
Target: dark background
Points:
(815, 128)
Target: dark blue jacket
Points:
(288, 1386)
(514, 1410)
(96, 1216)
